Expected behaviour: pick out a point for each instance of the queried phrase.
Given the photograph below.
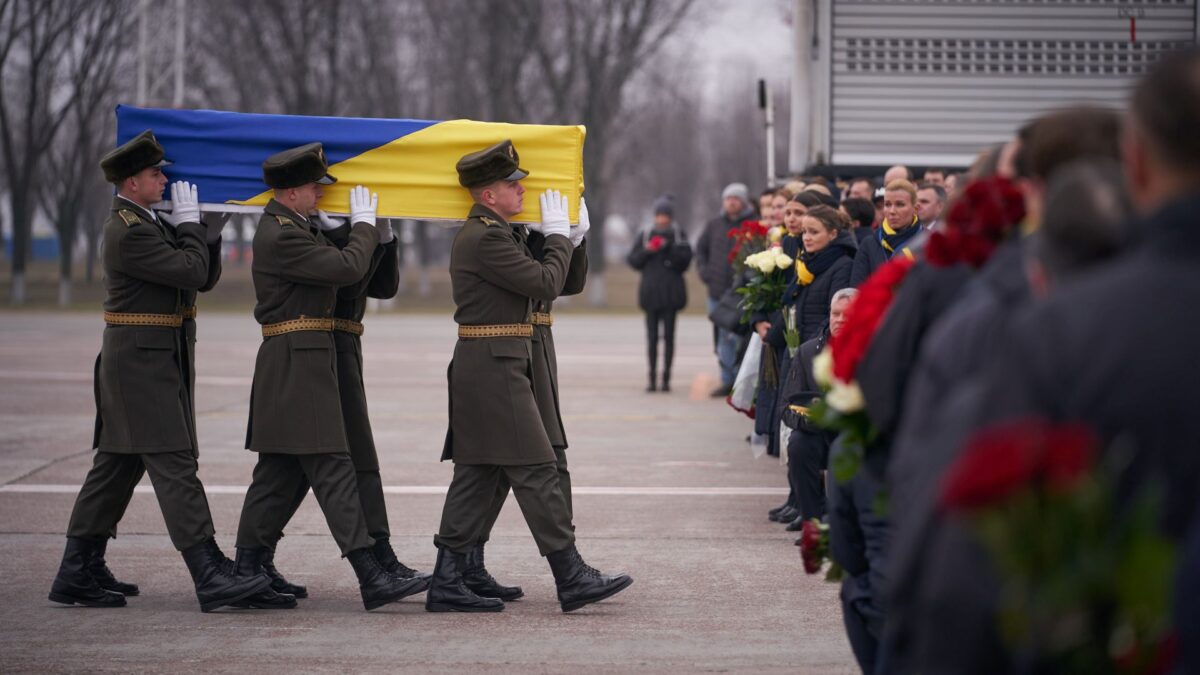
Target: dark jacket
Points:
(1068, 358)
(144, 375)
(872, 255)
(295, 407)
(812, 301)
(712, 252)
(494, 415)
(661, 288)
(545, 360)
(382, 281)
(799, 387)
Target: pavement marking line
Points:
(43, 488)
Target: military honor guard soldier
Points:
(496, 430)
(296, 423)
(144, 383)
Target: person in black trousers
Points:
(662, 254)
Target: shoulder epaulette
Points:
(284, 221)
(129, 217)
(490, 222)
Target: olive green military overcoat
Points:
(382, 281)
(545, 363)
(494, 417)
(144, 375)
(294, 402)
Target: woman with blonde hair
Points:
(898, 234)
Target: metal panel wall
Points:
(934, 81)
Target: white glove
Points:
(185, 203)
(386, 233)
(363, 205)
(326, 222)
(554, 214)
(580, 231)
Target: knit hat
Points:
(738, 190)
(664, 206)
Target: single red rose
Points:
(811, 548)
(983, 216)
(864, 315)
(656, 242)
(1070, 452)
(997, 461)
(1002, 459)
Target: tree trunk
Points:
(21, 222)
(89, 268)
(66, 251)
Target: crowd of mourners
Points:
(944, 358)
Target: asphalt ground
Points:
(666, 489)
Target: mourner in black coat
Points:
(662, 254)
(899, 206)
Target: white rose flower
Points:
(783, 260)
(823, 368)
(766, 263)
(845, 398)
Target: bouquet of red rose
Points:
(748, 238)
(1085, 586)
(814, 549)
(843, 408)
(978, 221)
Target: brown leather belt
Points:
(127, 319)
(542, 319)
(497, 330)
(348, 326)
(273, 329)
(189, 312)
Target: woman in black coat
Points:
(662, 254)
(900, 233)
(823, 269)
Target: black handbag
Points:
(727, 314)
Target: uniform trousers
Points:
(109, 485)
(502, 489)
(473, 492)
(280, 482)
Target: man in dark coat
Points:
(1066, 360)
(496, 429)
(145, 417)
(545, 393)
(712, 262)
(382, 281)
(296, 421)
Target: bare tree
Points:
(73, 187)
(588, 53)
(38, 96)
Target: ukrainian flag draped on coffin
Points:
(409, 163)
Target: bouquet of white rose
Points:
(768, 271)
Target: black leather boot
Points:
(482, 583)
(787, 515)
(666, 385)
(215, 586)
(448, 593)
(278, 583)
(74, 585)
(387, 558)
(98, 568)
(580, 584)
(378, 588)
(249, 564)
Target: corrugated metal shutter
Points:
(934, 81)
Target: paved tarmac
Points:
(666, 489)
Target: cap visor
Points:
(516, 175)
(326, 180)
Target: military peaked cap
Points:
(140, 152)
(298, 166)
(499, 162)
